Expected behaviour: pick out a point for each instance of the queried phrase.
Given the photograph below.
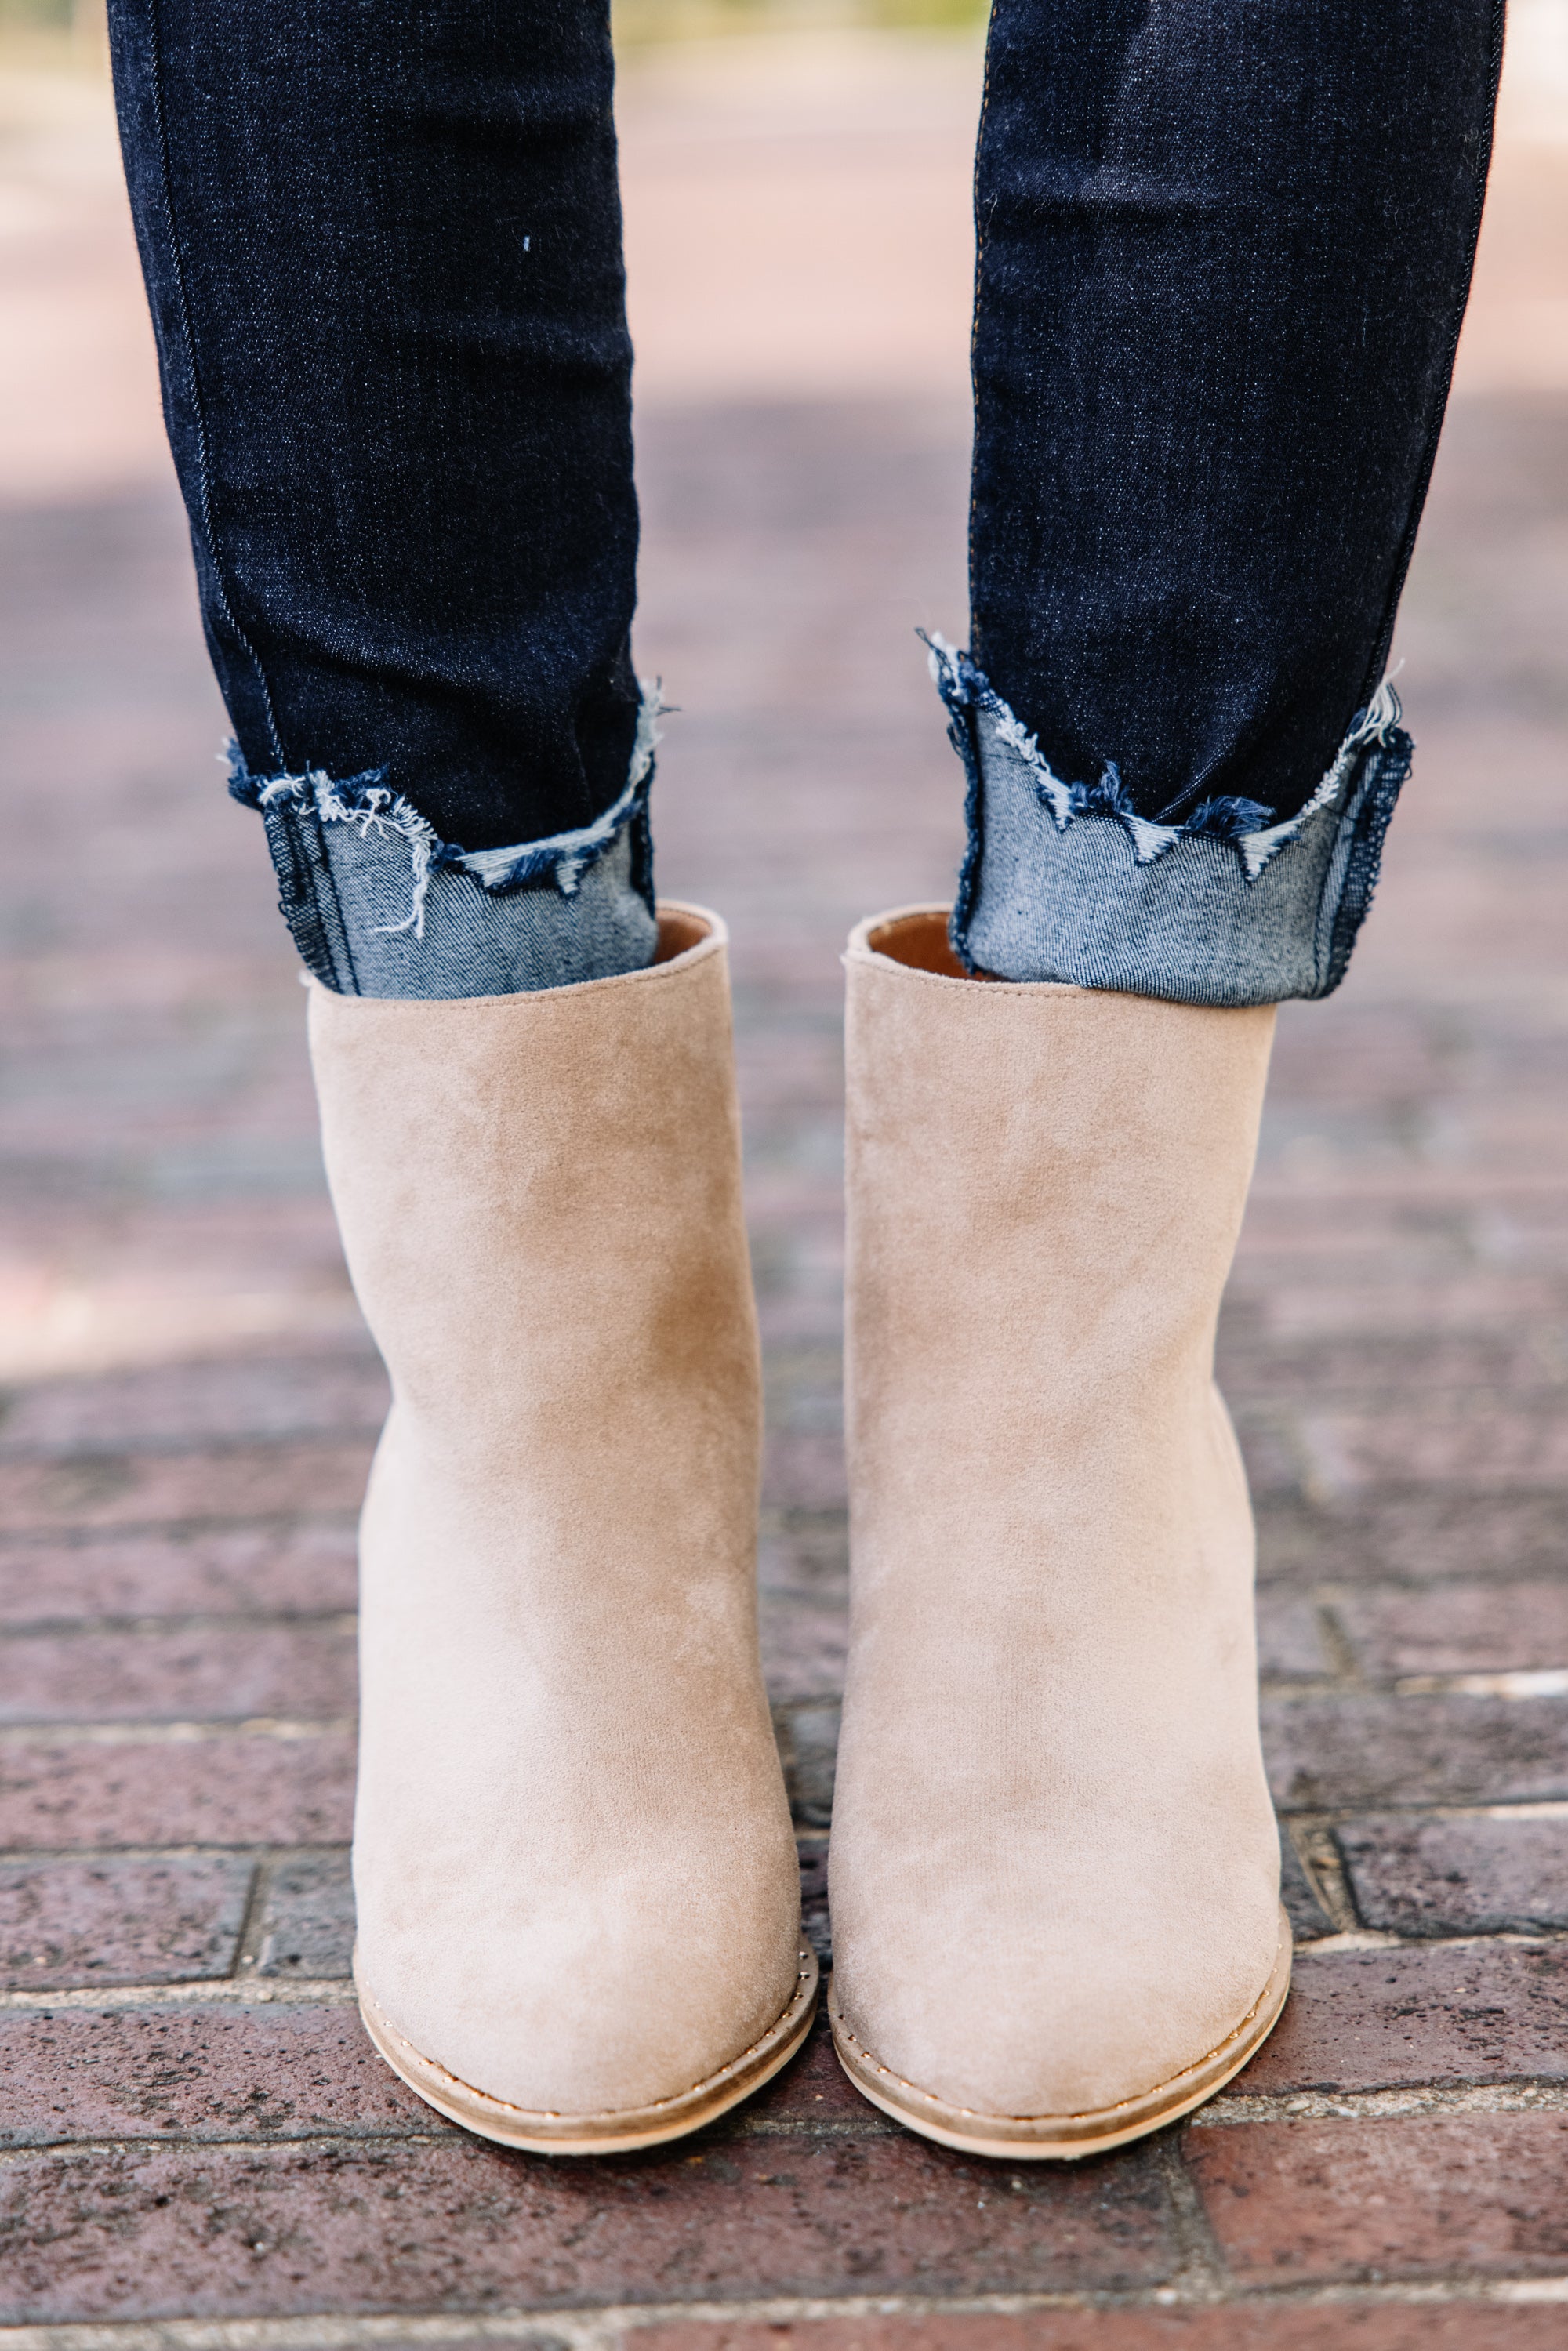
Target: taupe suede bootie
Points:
(579, 1902)
(1054, 1870)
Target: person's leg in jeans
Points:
(1224, 252)
(382, 246)
(382, 241)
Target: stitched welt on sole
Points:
(1067, 2138)
(601, 2134)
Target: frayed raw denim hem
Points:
(378, 905)
(1066, 882)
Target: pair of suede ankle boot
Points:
(1055, 1872)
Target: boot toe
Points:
(1065, 2039)
(592, 2020)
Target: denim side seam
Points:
(193, 392)
(1068, 883)
(379, 904)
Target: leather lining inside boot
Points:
(920, 942)
(677, 932)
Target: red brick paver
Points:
(1405, 2197)
(193, 2129)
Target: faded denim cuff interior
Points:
(1066, 882)
(378, 905)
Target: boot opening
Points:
(678, 930)
(919, 941)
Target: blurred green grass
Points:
(70, 32)
(62, 36)
(642, 23)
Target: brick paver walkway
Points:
(202, 2149)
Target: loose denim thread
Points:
(369, 805)
(377, 808)
(965, 688)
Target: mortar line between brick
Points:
(1200, 2257)
(1528, 1808)
(613, 2325)
(308, 1438)
(1516, 1688)
(339, 2140)
(183, 1733)
(1374, 1938)
(1531, 2094)
(142, 1624)
(1323, 1947)
(15, 2159)
(869, 2124)
(206, 1991)
(1201, 2275)
(17, 1856)
(1479, 1808)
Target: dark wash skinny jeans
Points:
(1224, 248)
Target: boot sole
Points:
(1067, 2138)
(605, 2134)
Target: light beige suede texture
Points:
(575, 1875)
(1054, 1870)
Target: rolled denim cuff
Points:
(380, 906)
(1066, 882)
